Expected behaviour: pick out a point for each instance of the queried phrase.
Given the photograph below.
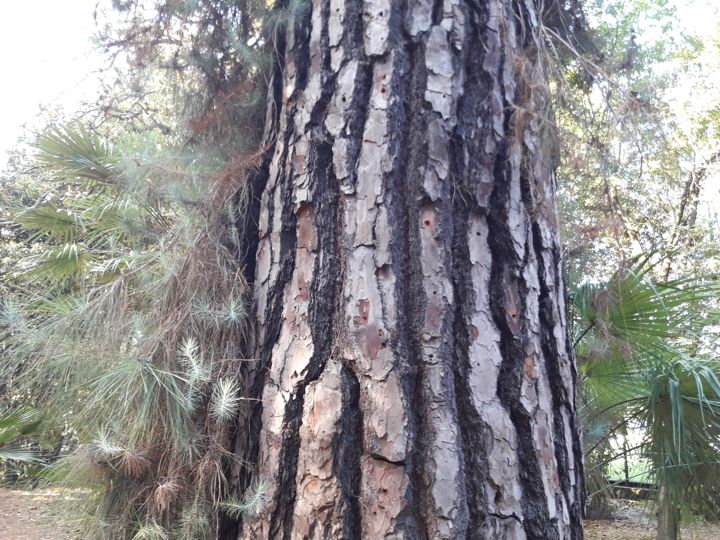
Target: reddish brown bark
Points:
(415, 375)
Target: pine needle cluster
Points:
(132, 327)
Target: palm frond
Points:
(18, 454)
(65, 262)
(646, 354)
(15, 424)
(74, 154)
(48, 220)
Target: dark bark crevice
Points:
(273, 326)
(324, 294)
(249, 449)
(404, 194)
(245, 438)
(246, 253)
(534, 502)
(505, 280)
(348, 449)
(466, 140)
(561, 401)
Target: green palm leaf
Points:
(15, 424)
(74, 154)
(50, 221)
(62, 263)
(646, 353)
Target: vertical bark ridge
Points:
(488, 455)
(322, 205)
(348, 443)
(508, 298)
(507, 303)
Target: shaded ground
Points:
(636, 521)
(32, 515)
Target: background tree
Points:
(639, 140)
(643, 192)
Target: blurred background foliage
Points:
(639, 196)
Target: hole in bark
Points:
(380, 333)
(380, 14)
(382, 90)
(344, 99)
(427, 222)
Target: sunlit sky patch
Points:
(46, 60)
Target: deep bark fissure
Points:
(409, 149)
(560, 399)
(273, 327)
(322, 310)
(275, 295)
(475, 435)
(348, 447)
(323, 291)
(247, 430)
(473, 431)
(247, 244)
(255, 373)
(348, 444)
(273, 320)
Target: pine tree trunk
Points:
(413, 362)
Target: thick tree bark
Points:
(412, 353)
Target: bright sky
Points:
(46, 59)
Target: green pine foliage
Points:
(127, 319)
(131, 329)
